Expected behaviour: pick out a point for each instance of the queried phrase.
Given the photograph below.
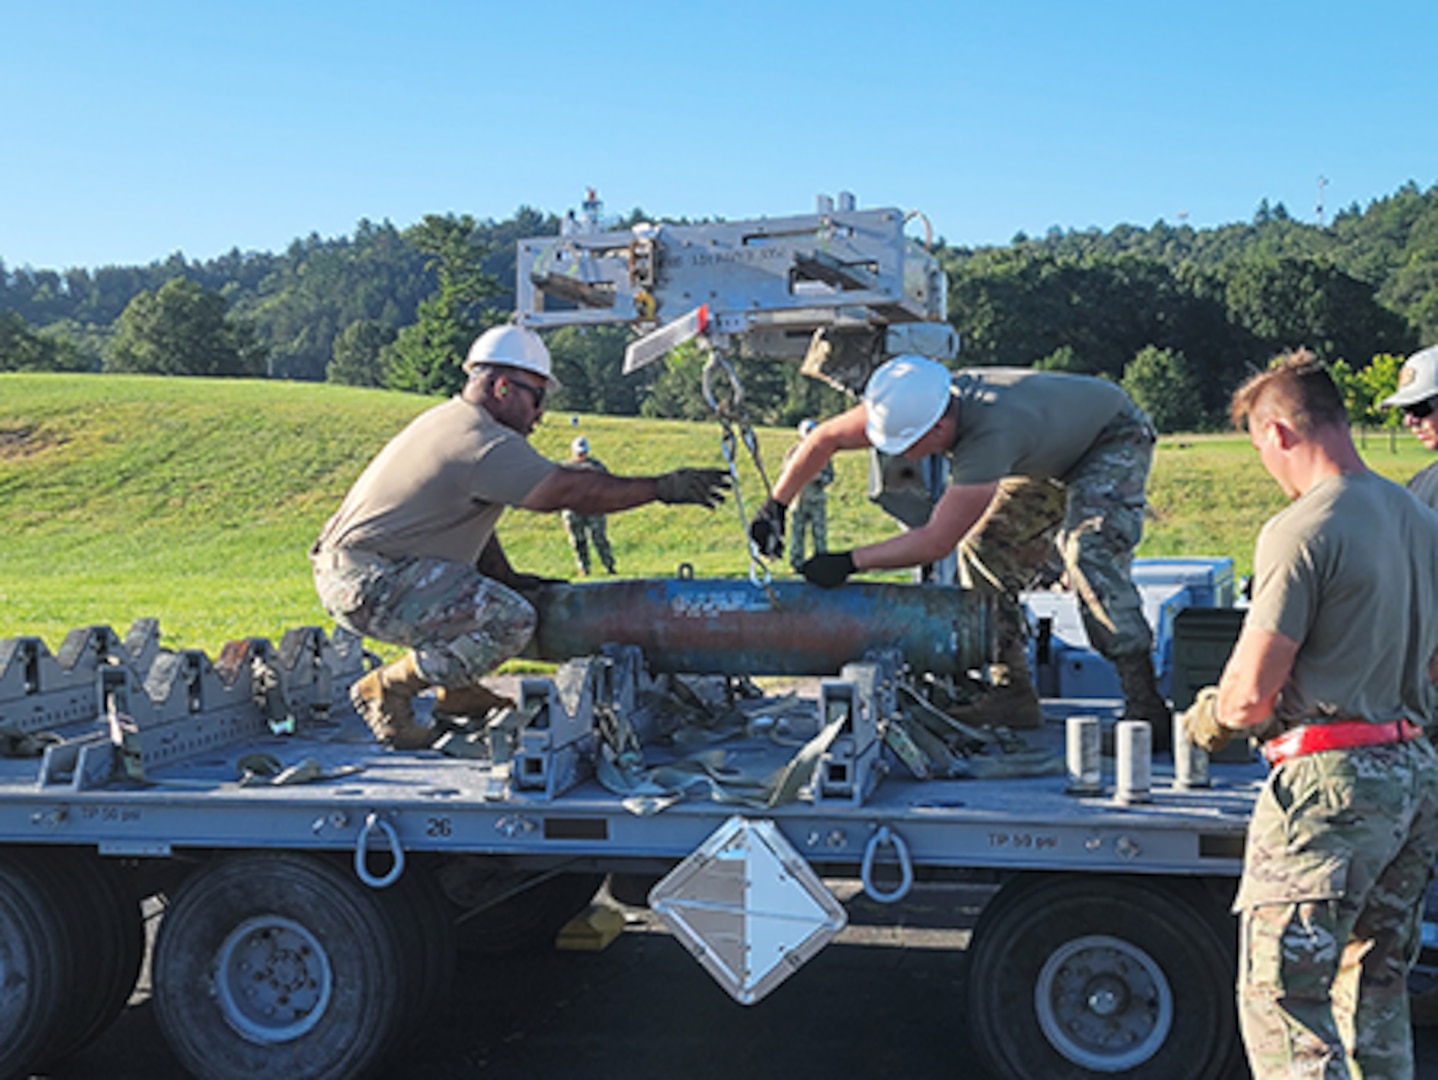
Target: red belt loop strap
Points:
(1338, 735)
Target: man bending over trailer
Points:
(411, 556)
(1029, 451)
(1332, 669)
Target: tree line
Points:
(1177, 315)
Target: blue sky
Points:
(131, 129)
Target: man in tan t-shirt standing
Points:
(411, 556)
(1332, 669)
(1036, 458)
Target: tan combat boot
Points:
(1141, 699)
(385, 701)
(475, 701)
(1012, 701)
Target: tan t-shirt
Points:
(1020, 422)
(1348, 571)
(438, 488)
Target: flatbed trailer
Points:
(295, 910)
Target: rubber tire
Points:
(350, 923)
(106, 932)
(421, 916)
(527, 921)
(36, 960)
(1030, 921)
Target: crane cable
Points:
(731, 417)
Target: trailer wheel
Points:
(418, 910)
(107, 937)
(1090, 978)
(278, 964)
(34, 961)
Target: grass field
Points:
(195, 500)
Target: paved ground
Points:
(886, 999)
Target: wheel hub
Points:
(272, 979)
(1103, 1003)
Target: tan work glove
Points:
(1200, 722)
(699, 487)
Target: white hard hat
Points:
(579, 446)
(512, 346)
(806, 426)
(1417, 379)
(904, 399)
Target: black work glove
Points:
(767, 528)
(829, 569)
(698, 487)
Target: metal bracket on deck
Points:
(864, 694)
(556, 747)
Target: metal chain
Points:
(731, 416)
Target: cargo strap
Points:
(706, 766)
(933, 743)
(648, 790)
(266, 770)
(15, 743)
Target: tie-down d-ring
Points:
(362, 871)
(906, 868)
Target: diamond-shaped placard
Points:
(748, 907)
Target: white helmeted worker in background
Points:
(811, 509)
(411, 556)
(584, 529)
(1035, 458)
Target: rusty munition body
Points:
(734, 627)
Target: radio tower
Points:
(592, 207)
(1322, 183)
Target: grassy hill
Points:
(195, 500)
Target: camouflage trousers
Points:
(584, 529)
(460, 624)
(810, 517)
(1340, 849)
(1086, 526)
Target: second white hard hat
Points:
(511, 346)
(1417, 379)
(806, 426)
(579, 446)
(904, 399)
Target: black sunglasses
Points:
(538, 393)
(1419, 409)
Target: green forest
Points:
(1177, 315)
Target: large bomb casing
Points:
(723, 626)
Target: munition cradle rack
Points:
(234, 785)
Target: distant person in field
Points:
(1031, 454)
(584, 529)
(811, 508)
(411, 556)
(1417, 396)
